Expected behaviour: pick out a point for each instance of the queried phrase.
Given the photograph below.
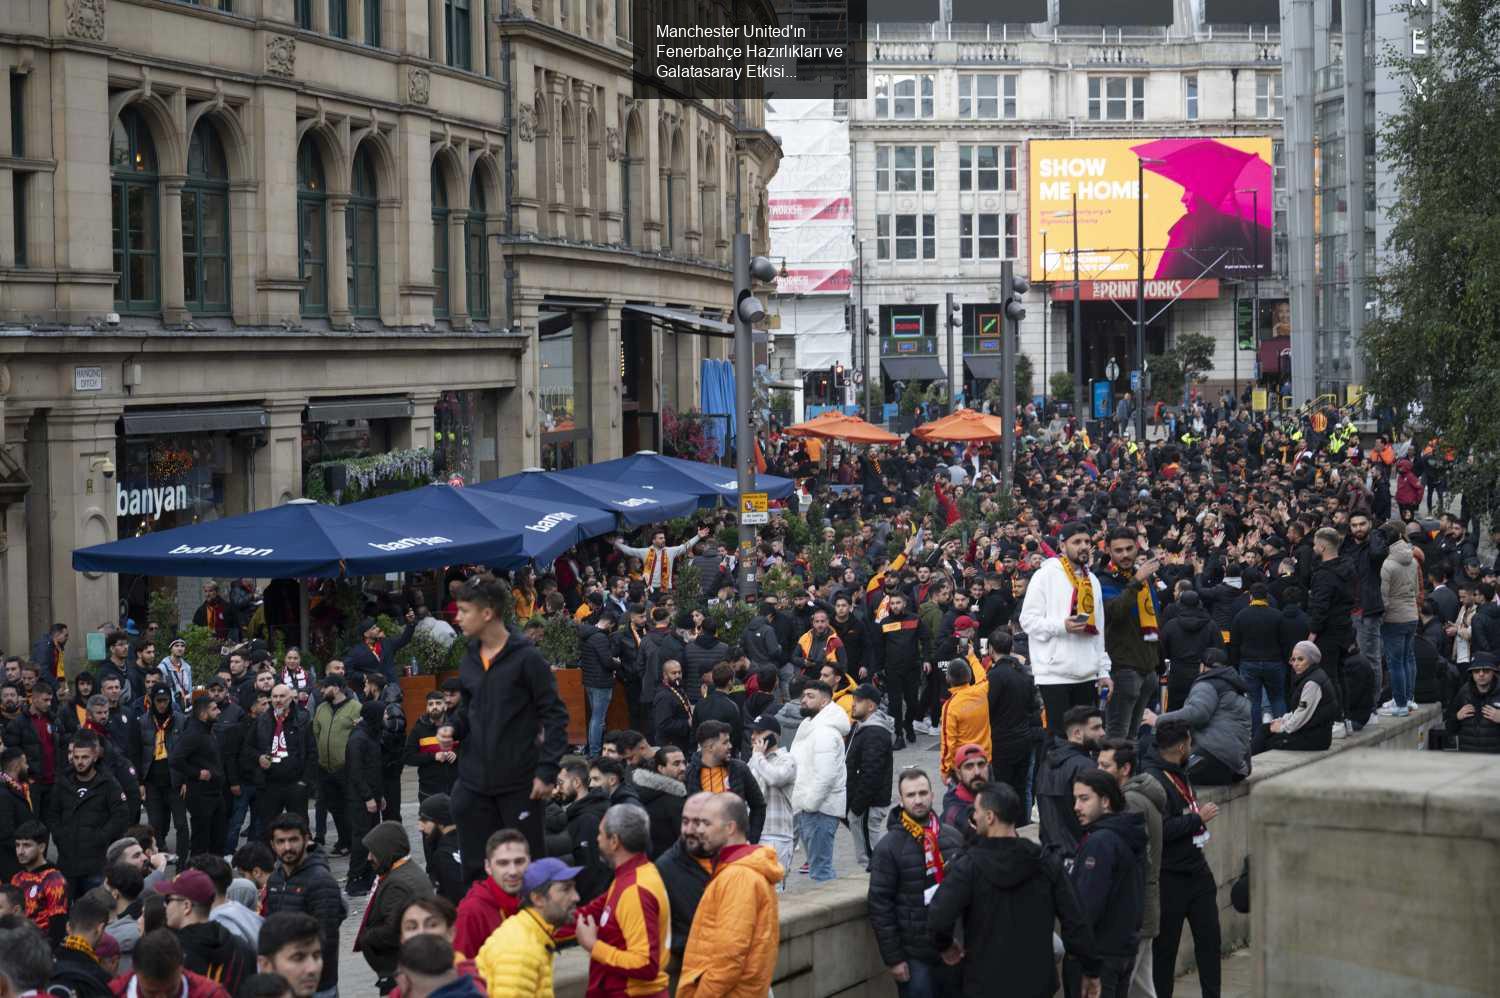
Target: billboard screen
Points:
(999, 11)
(1242, 12)
(1114, 12)
(1208, 207)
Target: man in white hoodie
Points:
(819, 795)
(1063, 617)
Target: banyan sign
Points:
(1205, 287)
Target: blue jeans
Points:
(817, 833)
(240, 806)
(1401, 659)
(929, 980)
(598, 708)
(1269, 677)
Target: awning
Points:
(682, 317)
(912, 368)
(987, 368)
(206, 420)
(374, 407)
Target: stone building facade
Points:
(240, 239)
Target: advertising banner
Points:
(1208, 202)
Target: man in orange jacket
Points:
(966, 715)
(731, 950)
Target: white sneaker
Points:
(1373, 719)
(1389, 703)
(1389, 709)
(1338, 730)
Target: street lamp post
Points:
(1045, 309)
(1140, 292)
(1254, 193)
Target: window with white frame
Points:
(906, 237)
(987, 168)
(987, 95)
(1190, 94)
(1117, 98)
(988, 235)
(905, 168)
(1268, 95)
(904, 95)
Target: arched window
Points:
(477, 252)
(205, 225)
(312, 230)
(135, 214)
(439, 242)
(361, 238)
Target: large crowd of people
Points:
(1127, 623)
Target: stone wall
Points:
(1375, 876)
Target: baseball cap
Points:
(970, 751)
(867, 691)
(161, 693)
(766, 722)
(1482, 660)
(964, 622)
(547, 871)
(191, 884)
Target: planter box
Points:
(570, 688)
(414, 690)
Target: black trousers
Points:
(640, 717)
(1014, 773)
(1333, 666)
(392, 783)
(333, 800)
(903, 687)
(1057, 698)
(209, 820)
(1190, 897)
(165, 809)
(360, 822)
(274, 798)
(934, 691)
(1206, 771)
(481, 815)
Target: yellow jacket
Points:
(966, 718)
(731, 950)
(516, 960)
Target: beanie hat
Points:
(1309, 651)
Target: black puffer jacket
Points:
(662, 797)
(1476, 733)
(596, 657)
(298, 758)
(1060, 830)
(698, 660)
(868, 762)
(1185, 638)
(85, 818)
(362, 772)
(1255, 635)
(898, 881)
(312, 890)
(1365, 559)
(1330, 601)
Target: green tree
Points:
(1436, 336)
(1188, 360)
(1061, 385)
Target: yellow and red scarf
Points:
(666, 567)
(927, 835)
(1083, 594)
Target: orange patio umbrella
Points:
(834, 425)
(965, 424)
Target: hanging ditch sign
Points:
(755, 509)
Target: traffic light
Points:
(955, 313)
(748, 308)
(1014, 310)
(838, 376)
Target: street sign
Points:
(755, 509)
(1135, 381)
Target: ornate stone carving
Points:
(525, 123)
(86, 19)
(612, 143)
(281, 55)
(418, 85)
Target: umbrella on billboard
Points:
(634, 505)
(1217, 181)
(297, 540)
(963, 425)
(709, 482)
(834, 425)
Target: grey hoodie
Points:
(1145, 796)
(239, 920)
(1399, 586)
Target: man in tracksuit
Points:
(898, 657)
(511, 723)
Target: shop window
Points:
(312, 230)
(477, 253)
(439, 242)
(563, 393)
(361, 238)
(205, 225)
(456, 424)
(135, 214)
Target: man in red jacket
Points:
(159, 971)
(497, 895)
